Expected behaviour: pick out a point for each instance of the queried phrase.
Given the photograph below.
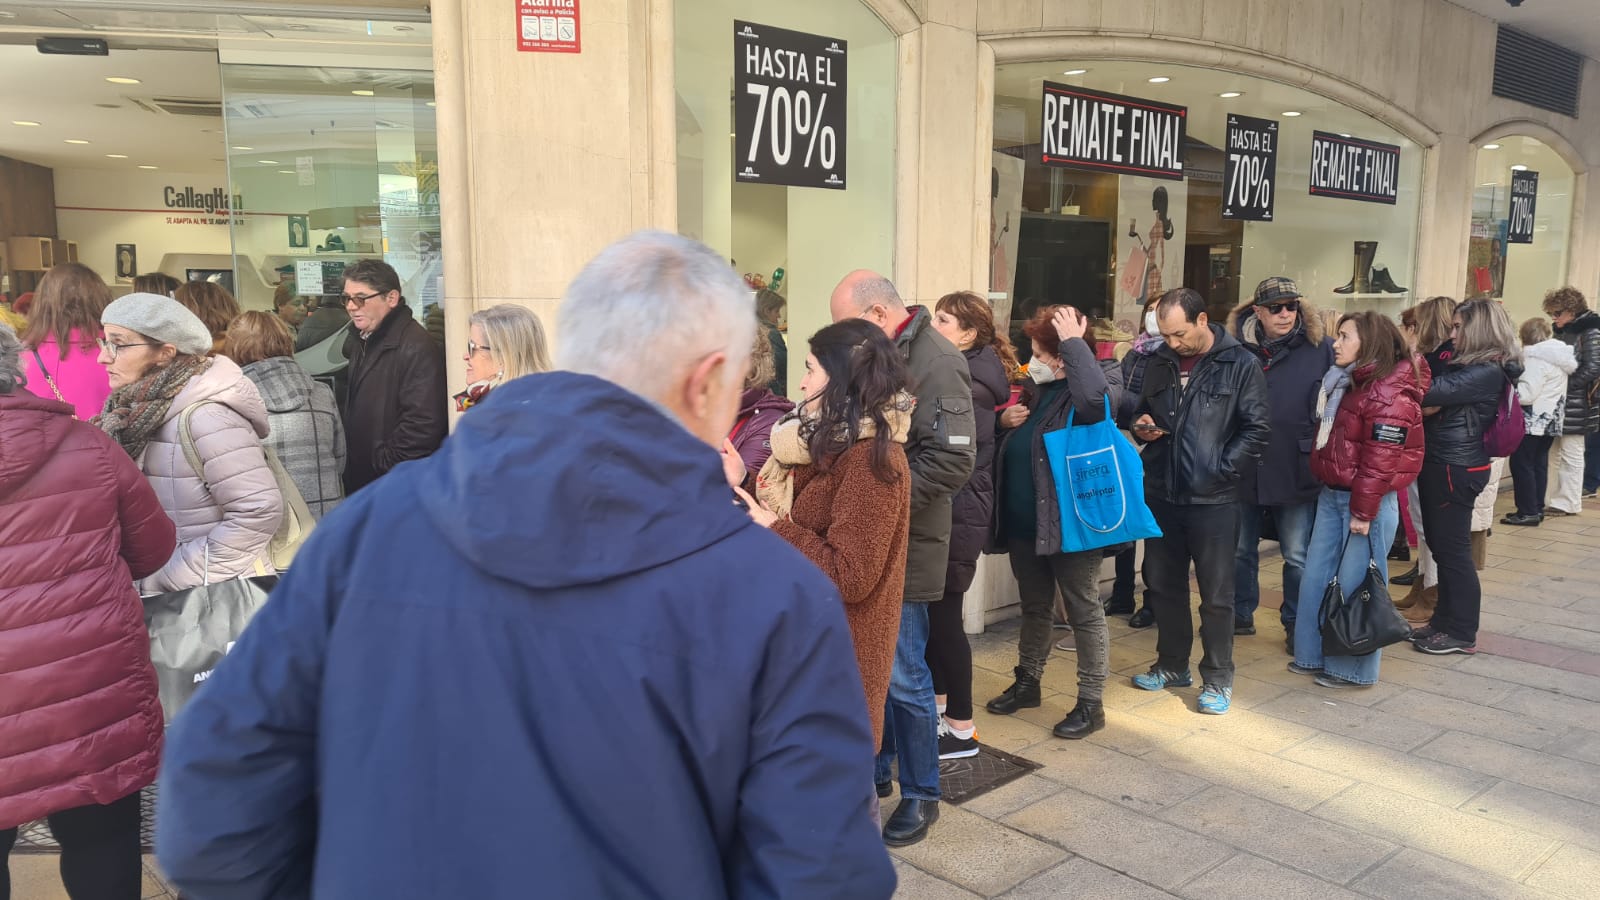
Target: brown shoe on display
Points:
(1422, 610)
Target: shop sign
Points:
(789, 107)
(315, 277)
(1354, 169)
(1524, 196)
(1103, 132)
(548, 26)
(212, 201)
(1252, 168)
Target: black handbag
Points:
(1365, 621)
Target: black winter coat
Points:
(1468, 397)
(394, 404)
(1294, 371)
(1583, 413)
(1216, 427)
(1084, 396)
(974, 504)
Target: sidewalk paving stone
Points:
(1571, 873)
(1579, 780)
(1079, 877)
(1414, 875)
(1246, 877)
(1573, 821)
(1286, 836)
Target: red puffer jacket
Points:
(1376, 443)
(80, 722)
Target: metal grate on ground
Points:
(35, 837)
(963, 779)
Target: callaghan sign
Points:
(214, 200)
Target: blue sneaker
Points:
(1158, 678)
(1215, 700)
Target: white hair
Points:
(11, 376)
(650, 306)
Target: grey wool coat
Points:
(305, 430)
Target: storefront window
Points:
(1105, 240)
(1499, 267)
(799, 240)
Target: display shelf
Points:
(1378, 295)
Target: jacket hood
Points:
(537, 483)
(223, 382)
(987, 369)
(284, 386)
(1243, 324)
(760, 399)
(31, 428)
(920, 319)
(1554, 352)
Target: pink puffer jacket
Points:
(235, 510)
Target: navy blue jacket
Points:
(552, 660)
(1294, 368)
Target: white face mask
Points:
(1040, 372)
(1150, 326)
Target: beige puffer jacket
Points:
(237, 516)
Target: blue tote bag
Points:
(1099, 485)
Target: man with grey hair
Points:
(589, 674)
(941, 450)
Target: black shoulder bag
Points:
(1364, 622)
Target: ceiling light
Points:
(25, 123)
(269, 162)
(1160, 79)
(76, 141)
(1519, 168)
(1075, 72)
(116, 156)
(1490, 184)
(285, 171)
(241, 147)
(1491, 146)
(430, 103)
(403, 28)
(1342, 134)
(122, 79)
(1229, 95)
(1291, 114)
(147, 167)
(362, 93)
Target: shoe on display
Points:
(1522, 519)
(910, 822)
(1361, 279)
(1408, 578)
(952, 747)
(1022, 694)
(1382, 282)
(1440, 643)
(1084, 720)
(1304, 670)
(1158, 678)
(1214, 701)
(1144, 618)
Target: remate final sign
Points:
(1103, 132)
(1354, 169)
(1524, 197)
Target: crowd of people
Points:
(644, 605)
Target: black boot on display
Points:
(1382, 282)
(1084, 720)
(1361, 278)
(910, 822)
(1023, 694)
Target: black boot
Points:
(1085, 719)
(910, 822)
(1382, 282)
(1407, 579)
(1361, 278)
(1023, 694)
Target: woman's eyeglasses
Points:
(474, 347)
(112, 349)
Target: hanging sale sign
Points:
(1354, 169)
(789, 107)
(1524, 197)
(1252, 168)
(1103, 132)
(548, 26)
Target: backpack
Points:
(297, 522)
(1505, 433)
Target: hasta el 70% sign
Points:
(789, 107)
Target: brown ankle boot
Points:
(1422, 609)
(1410, 599)
(1480, 549)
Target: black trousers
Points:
(1447, 493)
(1208, 537)
(949, 655)
(99, 851)
(1530, 473)
(1122, 589)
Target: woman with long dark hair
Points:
(1426, 328)
(1456, 467)
(1368, 446)
(838, 487)
(59, 356)
(967, 320)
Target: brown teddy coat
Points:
(855, 527)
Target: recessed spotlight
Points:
(147, 167)
(404, 28)
(285, 171)
(76, 141)
(1490, 184)
(1342, 134)
(430, 103)
(1075, 72)
(1229, 95)
(1491, 146)
(1160, 79)
(242, 147)
(363, 93)
(25, 123)
(1519, 168)
(122, 79)
(116, 156)
(1291, 114)
(269, 162)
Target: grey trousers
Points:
(1078, 576)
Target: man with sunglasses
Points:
(1286, 335)
(394, 399)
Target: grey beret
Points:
(160, 318)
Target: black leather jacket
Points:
(1583, 413)
(1216, 427)
(1468, 397)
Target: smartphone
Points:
(1156, 430)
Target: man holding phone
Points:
(1203, 413)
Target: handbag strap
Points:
(47, 379)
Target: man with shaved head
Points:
(941, 450)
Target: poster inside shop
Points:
(1005, 225)
(1150, 246)
(789, 107)
(1486, 258)
(1524, 199)
(1250, 173)
(548, 26)
(1352, 168)
(1102, 132)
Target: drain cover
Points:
(962, 779)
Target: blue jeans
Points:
(1327, 537)
(1294, 536)
(910, 718)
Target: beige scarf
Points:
(775, 482)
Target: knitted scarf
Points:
(1334, 385)
(775, 483)
(134, 412)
